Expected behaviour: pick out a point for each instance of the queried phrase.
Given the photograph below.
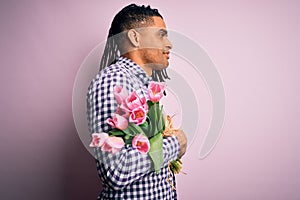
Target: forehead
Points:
(158, 22)
(156, 25)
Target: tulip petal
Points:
(118, 122)
(98, 139)
(138, 116)
(141, 143)
(120, 94)
(155, 91)
(113, 144)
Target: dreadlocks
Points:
(129, 17)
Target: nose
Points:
(169, 44)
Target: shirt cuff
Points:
(171, 148)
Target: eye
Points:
(163, 33)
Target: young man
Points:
(136, 52)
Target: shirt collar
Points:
(135, 69)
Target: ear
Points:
(134, 37)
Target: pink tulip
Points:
(113, 144)
(138, 115)
(98, 139)
(141, 143)
(118, 122)
(134, 101)
(120, 94)
(122, 112)
(156, 91)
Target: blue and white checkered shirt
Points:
(127, 174)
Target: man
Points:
(136, 52)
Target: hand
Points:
(181, 137)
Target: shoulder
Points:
(115, 68)
(114, 74)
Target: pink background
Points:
(255, 46)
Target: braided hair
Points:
(129, 17)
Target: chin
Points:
(161, 66)
(164, 64)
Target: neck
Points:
(137, 58)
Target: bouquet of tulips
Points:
(139, 123)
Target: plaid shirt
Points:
(127, 174)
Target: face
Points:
(154, 45)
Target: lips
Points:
(167, 54)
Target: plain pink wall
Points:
(255, 46)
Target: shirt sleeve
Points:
(127, 165)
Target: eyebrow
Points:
(164, 31)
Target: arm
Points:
(128, 165)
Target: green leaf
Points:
(129, 130)
(160, 121)
(149, 133)
(152, 121)
(136, 129)
(116, 132)
(150, 104)
(127, 137)
(145, 126)
(156, 151)
(129, 140)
